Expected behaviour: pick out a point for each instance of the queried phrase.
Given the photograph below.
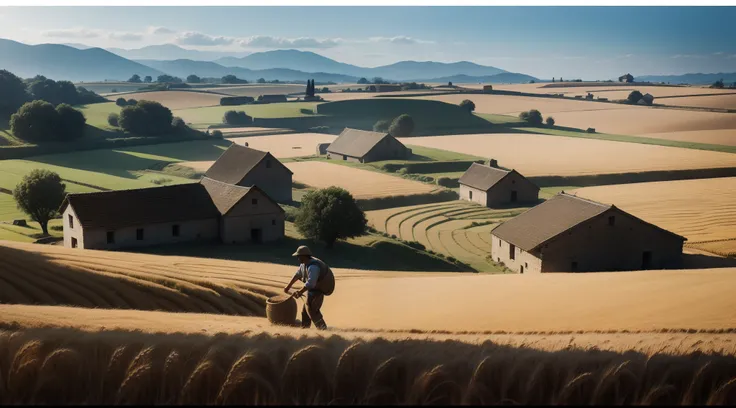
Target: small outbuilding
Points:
(572, 234)
(363, 147)
(491, 186)
(272, 98)
(246, 167)
(628, 78)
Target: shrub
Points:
(382, 125)
(330, 214)
(71, 122)
(393, 236)
(232, 79)
(232, 117)
(216, 134)
(306, 111)
(35, 121)
(452, 259)
(590, 130)
(524, 116)
(550, 121)
(135, 79)
(39, 194)
(178, 123)
(161, 180)
(448, 182)
(468, 105)
(132, 102)
(535, 117)
(718, 84)
(193, 79)
(146, 118)
(121, 102)
(634, 97)
(402, 126)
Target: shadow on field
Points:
(700, 261)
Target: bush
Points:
(382, 125)
(330, 214)
(634, 97)
(550, 121)
(178, 123)
(121, 102)
(468, 105)
(38, 121)
(112, 119)
(232, 117)
(524, 116)
(306, 111)
(447, 182)
(39, 194)
(319, 129)
(590, 130)
(402, 126)
(232, 79)
(72, 122)
(217, 134)
(146, 118)
(535, 117)
(132, 102)
(718, 84)
(193, 79)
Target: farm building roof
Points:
(553, 217)
(225, 196)
(121, 208)
(235, 163)
(482, 177)
(356, 143)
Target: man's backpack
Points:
(326, 280)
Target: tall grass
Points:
(65, 366)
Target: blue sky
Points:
(573, 42)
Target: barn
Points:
(572, 234)
(246, 167)
(494, 187)
(363, 147)
(272, 98)
(205, 211)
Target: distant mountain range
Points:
(694, 79)
(505, 77)
(173, 52)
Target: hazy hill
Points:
(413, 70)
(172, 52)
(505, 77)
(58, 62)
(695, 79)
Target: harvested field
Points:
(256, 90)
(608, 90)
(288, 145)
(175, 99)
(212, 115)
(711, 101)
(704, 211)
(537, 155)
(726, 137)
(361, 183)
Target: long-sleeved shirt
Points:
(311, 276)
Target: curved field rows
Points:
(175, 99)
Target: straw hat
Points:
(302, 250)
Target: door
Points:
(74, 242)
(513, 196)
(255, 235)
(512, 251)
(646, 260)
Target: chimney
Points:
(493, 163)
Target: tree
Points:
(550, 121)
(193, 79)
(261, 80)
(634, 97)
(35, 121)
(232, 79)
(449, 84)
(535, 117)
(718, 84)
(330, 214)
(146, 118)
(72, 122)
(13, 92)
(362, 81)
(310, 89)
(167, 79)
(524, 115)
(382, 125)
(39, 194)
(553, 79)
(402, 126)
(135, 79)
(131, 102)
(148, 79)
(178, 124)
(467, 105)
(52, 91)
(121, 102)
(233, 117)
(112, 119)
(379, 80)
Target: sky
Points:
(572, 42)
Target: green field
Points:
(97, 113)
(212, 115)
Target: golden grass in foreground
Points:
(175, 99)
(63, 366)
(710, 101)
(704, 211)
(360, 183)
(719, 136)
(540, 155)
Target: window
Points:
(344, 157)
(254, 201)
(522, 270)
(268, 163)
(71, 221)
(470, 195)
(139, 234)
(574, 266)
(175, 230)
(526, 264)
(110, 237)
(611, 220)
(74, 242)
(512, 251)
(500, 243)
(273, 222)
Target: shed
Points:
(491, 186)
(364, 147)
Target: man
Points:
(311, 271)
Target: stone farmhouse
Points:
(206, 211)
(246, 167)
(572, 234)
(491, 186)
(363, 147)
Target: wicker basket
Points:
(281, 310)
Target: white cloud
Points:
(718, 53)
(160, 30)
(120, 36)
(400, 39)
(265, 41)
(194, 38)
(688, 56)
(72, 33)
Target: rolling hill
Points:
(173, 52)
(505, 77)
(695, 79)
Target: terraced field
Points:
(458, 228)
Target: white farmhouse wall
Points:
(72, 231)
(153, 234)
(479, 196)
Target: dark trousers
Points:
(311, 311)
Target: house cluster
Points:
(235, 202)
(565, 233)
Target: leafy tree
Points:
(325, 90)
(148, 79)
(178, 124)
(112, 119)
(233, 117)
(39, 194)
(13, 93)
(330, 214)
(135, 79)
(35, 121)
(232, 79)
(718, 84)
(261, 80)
(52, 91)
(468, 105)
(131, 102)
(524, 115)
(382, 125)
(216, 134)
(449, 84)
(146, 118)
(167, 78)
(121, 102)
(193, 79)
(634, 97)
(363, 81)
(550, 121)
(379, 80)
(309, 93)
(535, 117)
(72, 122)
(402, 126)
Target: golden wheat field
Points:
(726, 137)
(175, 99)
(538, 155)
(704, 211)
(287, 145)
(255, 90)
(609, 90)
(361, 183)
(710, 101)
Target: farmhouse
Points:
(571, 234)
(490, 186)
(626, 78)
(248, 167)
(205, 211)
(364, 147)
